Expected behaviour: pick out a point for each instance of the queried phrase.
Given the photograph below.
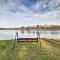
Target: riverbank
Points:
(48, 50)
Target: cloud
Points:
(14, 14)
(35, 6)
(44, 6)
(16, 20)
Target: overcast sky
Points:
(15, 13)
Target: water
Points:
(10, 34)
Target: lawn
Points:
(49, 50)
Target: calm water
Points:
(10, 34)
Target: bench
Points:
(27, 39)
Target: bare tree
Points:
(22, 29)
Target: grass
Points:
(49, 50)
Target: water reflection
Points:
(10, 34)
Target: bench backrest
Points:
(27, 39)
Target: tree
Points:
(22, 29)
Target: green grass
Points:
(49, 50)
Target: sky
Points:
(16, 13)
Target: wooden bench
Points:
(27, 39)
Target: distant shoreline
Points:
(37, 27)
(30, 29)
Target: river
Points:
(10, 34)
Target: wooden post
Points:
(38, 36)
(16, 36)
(39, 42)
(15, 39)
